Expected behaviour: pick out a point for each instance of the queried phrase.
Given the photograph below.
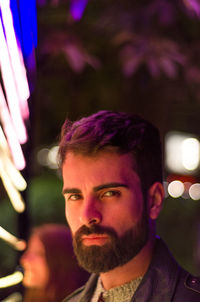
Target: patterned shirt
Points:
(122, 293)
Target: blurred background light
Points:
(187, 186)
(11, 280)
(77, 8)
(42, 156)
(190, 153)
(182, 152)
(194, 191)
(48, 157)
(13, 194)
(176, 188)
(52, 157)
(16, 243)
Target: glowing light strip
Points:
(9, 130)
(10, 87)
(16, 58)
(12, 172)
(15, 197)
(11, 280)
(16, 178)
(15, 242)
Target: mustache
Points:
(95, 229)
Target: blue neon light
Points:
(25, 24)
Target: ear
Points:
(155, 199)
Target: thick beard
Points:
(119, 250)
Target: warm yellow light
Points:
(14, 196)
(8, 164)
(11, 177)
(18, 244)
(11, 280)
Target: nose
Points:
(91, 212)
(24, 258)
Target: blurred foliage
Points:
(140, 56)
(46, 202)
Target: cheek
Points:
(72, 218)
(43, 271)
(44, 274)
(135, 208)
(36, 274)
(67, 213)
(126, 217)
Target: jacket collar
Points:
(160, 280)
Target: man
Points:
(112, 183)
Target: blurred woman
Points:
(50, 268)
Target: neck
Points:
(133, 269)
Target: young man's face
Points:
(104, 209)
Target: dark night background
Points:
(135, 56)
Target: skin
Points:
(105, 189)
(36, 273)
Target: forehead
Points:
(103, 167)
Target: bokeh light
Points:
(182, 152)
(176, 188)
(194, 191)
(190, 153)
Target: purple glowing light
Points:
(77, 8)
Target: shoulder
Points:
(192, 283)
(171, 280)
(85, 291)
(188, 288)
(75, 295)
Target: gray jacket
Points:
(165, 281)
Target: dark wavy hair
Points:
(118, 132)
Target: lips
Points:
(94, 239)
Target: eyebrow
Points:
(109, 185)
(97, 188)
(71, 190)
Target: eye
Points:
(72, 197)
(111, 193)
